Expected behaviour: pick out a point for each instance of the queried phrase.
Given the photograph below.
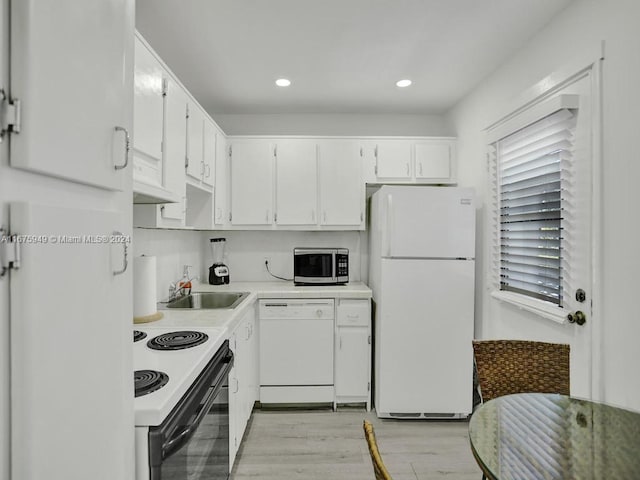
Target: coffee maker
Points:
(218, 272)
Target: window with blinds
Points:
(532, 168)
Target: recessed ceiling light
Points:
(403, 83)
(283, 82)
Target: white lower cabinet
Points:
(309, 350)
(243, 380)
(353, 352)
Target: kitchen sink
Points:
(209, 300)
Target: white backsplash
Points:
(173, 249)
(245, 253)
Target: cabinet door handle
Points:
(202, 169)
(340, 343)
(208, 167)
(127, 147)
(125, 262)
(420, 165)
(407, 169)
(324, 217)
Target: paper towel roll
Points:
(144, 290)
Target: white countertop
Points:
(183, 367)
(227, 318)
(284, 289)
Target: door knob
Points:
(577, 317)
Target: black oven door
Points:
(193, 442)
(313, 267)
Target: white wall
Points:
(246, 252)
(333, 124)
(580, 27)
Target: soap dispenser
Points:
(184, 285)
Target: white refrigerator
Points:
(422, 264)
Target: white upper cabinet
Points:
(251, 182)
(433, 159)
(393, 159)
(147, 102)
(195, 141)
(221, 191)
(413, 160)
(209, 153)
(341, 184)
(75, 126)
(296, 182)
(175, 146)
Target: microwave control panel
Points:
(342, 265)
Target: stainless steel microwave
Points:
(320, 266)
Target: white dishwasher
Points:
(296, 350)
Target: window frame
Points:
(519, 120)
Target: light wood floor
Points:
(327, 445)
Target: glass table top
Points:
(549, 436)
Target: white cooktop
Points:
(182, 367)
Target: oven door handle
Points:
(177, 441)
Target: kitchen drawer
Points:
(353, 313)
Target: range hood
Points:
(145, 193)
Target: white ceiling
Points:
(342, 56)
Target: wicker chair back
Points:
(519, 366)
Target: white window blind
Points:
(532, 190)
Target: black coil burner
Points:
(147, 381)
(138, 335)
(177, 340)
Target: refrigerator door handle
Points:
(390, 223)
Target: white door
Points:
(296, 182)
(511, 321)
(424, 329)
(341, 187)
(579, 251)
(70, 345)
(352, 361)
(433, 160)
(147, 103)
(175, 146)
(393, 159)
(195, 142)
(209, 153)
(69, 120)
(428, 222)
(251, 182)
